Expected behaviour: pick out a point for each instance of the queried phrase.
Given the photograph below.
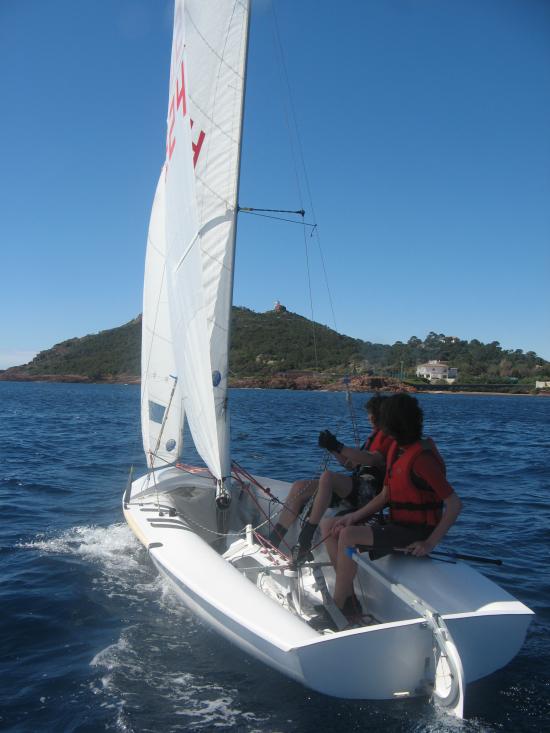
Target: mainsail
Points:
(201, 183)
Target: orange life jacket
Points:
(411, 499)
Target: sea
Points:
(92, 639)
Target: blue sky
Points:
(425, 131)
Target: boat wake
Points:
(117, 561)
(145, 680)
(109, 544)
(145, 674)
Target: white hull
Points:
(392, 658)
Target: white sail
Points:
(161, 405)
(202, 162)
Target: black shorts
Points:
(363, 489)
(390, 535)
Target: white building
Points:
(435, 370)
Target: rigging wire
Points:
(353, 417)
(289, 110)
(302, 158)
(301, 212)
(311, 301)
(280, 218)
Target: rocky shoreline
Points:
(298, 381)
(10, 375)
(330, 383)
(307, 381)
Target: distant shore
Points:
(9, 376)
(299, 381)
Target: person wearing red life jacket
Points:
(368, 464)
(422, 504)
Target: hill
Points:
(266, 343)
(271, 344)
(112, 355)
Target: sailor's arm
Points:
(453, 507)
(356, 457)
(348, 456)
(360, 515)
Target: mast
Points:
(223, 489)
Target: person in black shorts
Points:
(422, 504)
(368, 464)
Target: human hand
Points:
(341, 523)
(330, 442)
(419, 548)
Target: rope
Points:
(352, 413)
(273, 500)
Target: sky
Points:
(415, 133)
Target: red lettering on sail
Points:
(178, 100)
(171, 140)
(171, 143)
(180, 93)
(197, 147)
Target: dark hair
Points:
(402, 418)
(374, 406)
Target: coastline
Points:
(298, 382)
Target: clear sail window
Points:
(156, 412)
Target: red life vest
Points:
(377, 441)
(411, 499)
(367, 445)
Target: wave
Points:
(16, 483)
(164, 686)
(111, 545)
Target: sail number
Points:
(179, 101)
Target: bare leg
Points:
(345, 566)
(328, 483)
(331, 543)
(299, 493)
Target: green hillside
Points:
(100, 356)
(265, 344)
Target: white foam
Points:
(113, 543)
(442, 722)
(151, 657)
(121, 561)
(128, 665)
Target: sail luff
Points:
(183, 257)
(217, 45)
(226, 458)
(204, 129)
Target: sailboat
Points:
(435, 626)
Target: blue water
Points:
(92, 639)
